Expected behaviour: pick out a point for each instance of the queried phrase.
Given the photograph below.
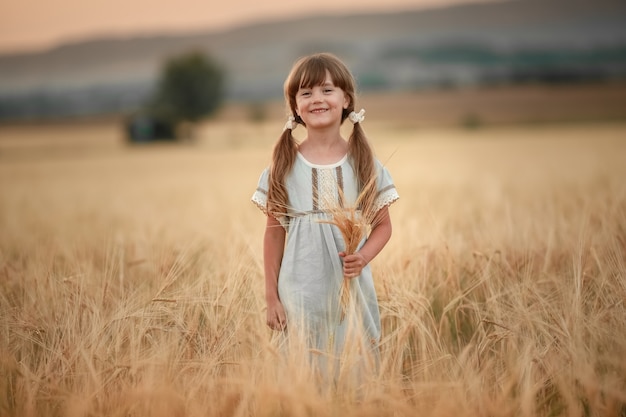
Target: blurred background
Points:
(440, 62)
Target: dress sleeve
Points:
(259, 197)
(387, 193)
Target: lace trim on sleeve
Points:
(259, 198)
(385, 198)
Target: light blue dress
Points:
(311, 272)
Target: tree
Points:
(190, 87)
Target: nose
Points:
(317, 96)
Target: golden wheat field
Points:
(131, 279)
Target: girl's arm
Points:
(378, 238)
(273, 246)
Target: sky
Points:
(30, 25)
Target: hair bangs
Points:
(312, 75)
(312, 72)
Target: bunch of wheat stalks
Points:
(353, 221)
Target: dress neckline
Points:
(323, 166)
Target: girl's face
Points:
(321, 106)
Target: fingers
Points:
(352, 265)
(355, 259)
(351, 274)
(352, 271)
(277, 323)
(276, 326)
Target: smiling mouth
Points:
(318, 111)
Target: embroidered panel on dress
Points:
(327, 188)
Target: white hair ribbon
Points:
(291, 123)
(357, 117)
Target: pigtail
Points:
(364, 167)
(283, 158)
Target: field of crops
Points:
(131, 279)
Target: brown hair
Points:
(308, 72)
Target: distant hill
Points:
(512, 41)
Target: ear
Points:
(346, 101)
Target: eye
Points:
(305, 93)
(328, 90)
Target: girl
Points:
(305, 262)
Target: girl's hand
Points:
(276, 318)
(352, 264)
